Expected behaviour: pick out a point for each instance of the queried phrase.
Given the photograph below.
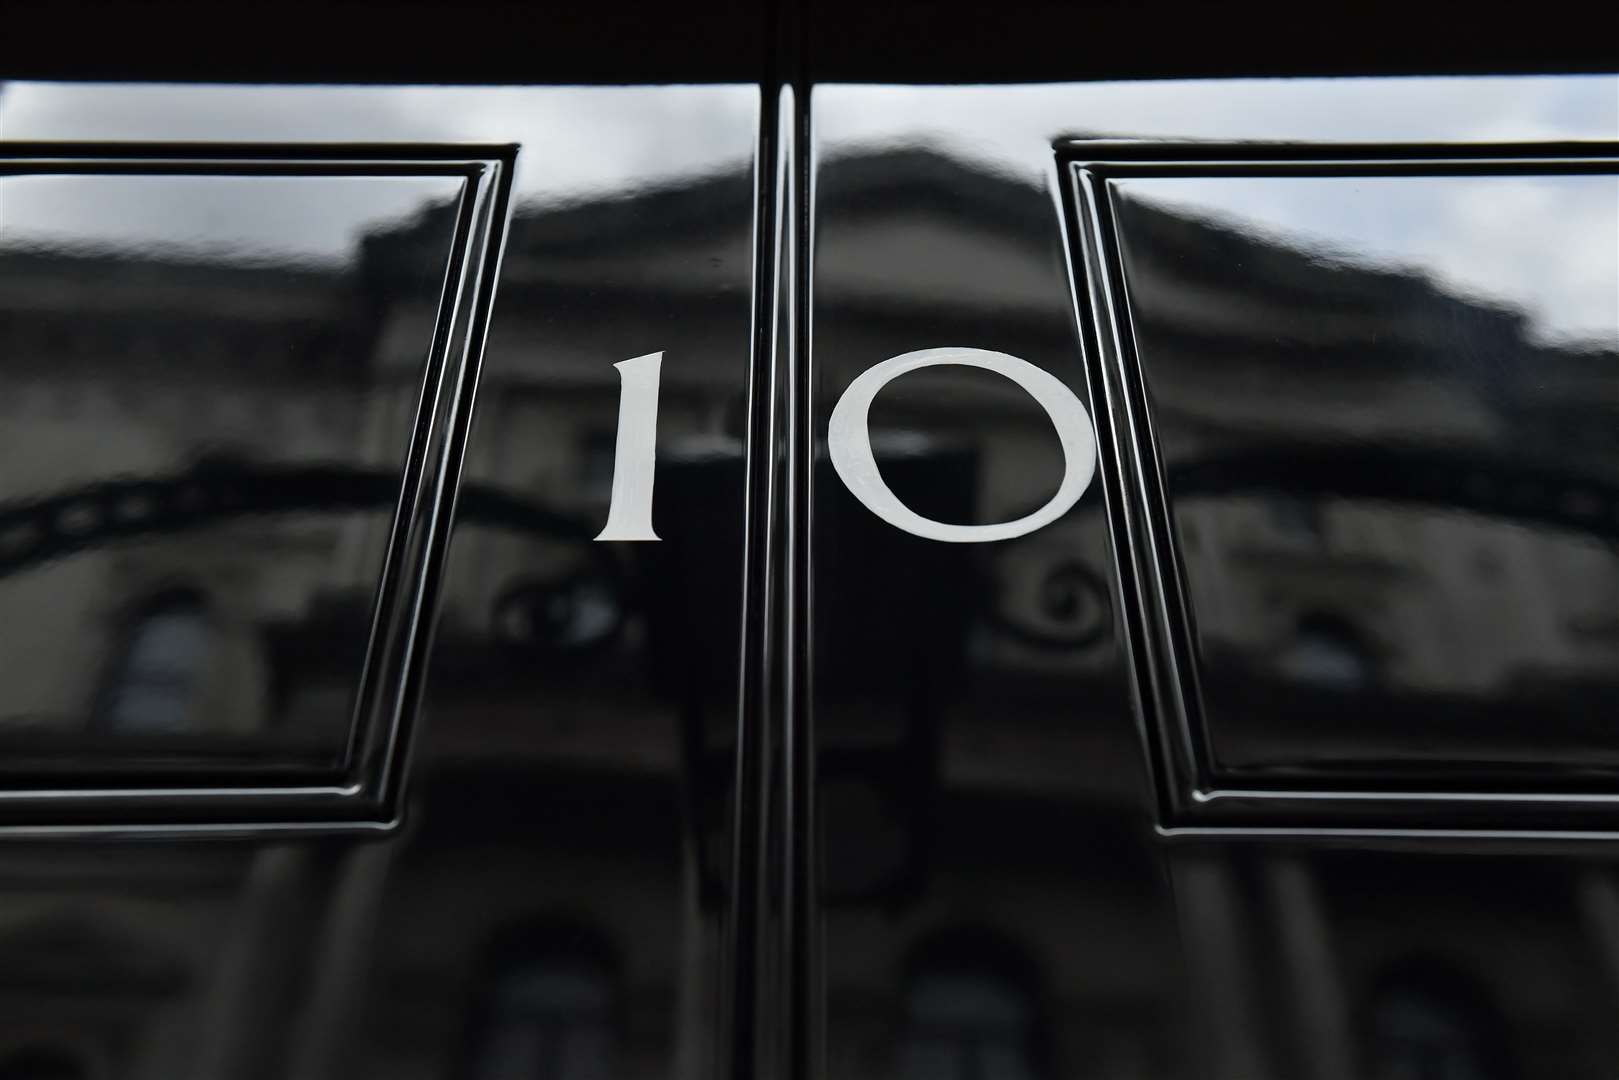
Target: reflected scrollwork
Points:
(1073, 607)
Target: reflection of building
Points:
(135, 370)
(1304, 351)
(539, 916)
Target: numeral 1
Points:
(629, 515)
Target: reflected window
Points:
(548, 1009)
(1299, 519)
(1434, 1025)
(971, 1013)
(157, 683)
(1327, 652)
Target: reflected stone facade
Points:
(538, 915)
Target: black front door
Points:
(1011, 582)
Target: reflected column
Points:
(342, 962)
(1220, 967)
(257, 966)
(1312, 981)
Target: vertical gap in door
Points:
(773, 959)
(747, 1024)
(796, 933)
(802, 832)
(799, 934)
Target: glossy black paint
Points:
(792, 792)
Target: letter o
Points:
(849, 442)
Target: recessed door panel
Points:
(1417, 373)
(208, 415)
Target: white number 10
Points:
(629, 516)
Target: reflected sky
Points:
(577, 142)
(1551, 250)
(293, 219)
(1011, 127)
(582, 143)
(1546, 245)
